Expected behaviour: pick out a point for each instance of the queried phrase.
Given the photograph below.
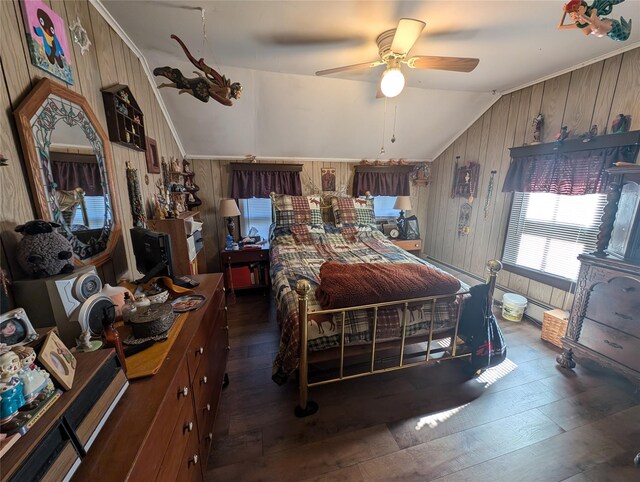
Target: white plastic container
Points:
(513, 306)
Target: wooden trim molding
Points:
(571, 145)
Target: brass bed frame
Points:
(308, 407)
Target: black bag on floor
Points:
(480, 330)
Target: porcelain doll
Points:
(33, 380)
(10, 386)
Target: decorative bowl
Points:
(161, 297)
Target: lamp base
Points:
(231, 227)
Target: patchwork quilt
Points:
(298, 251)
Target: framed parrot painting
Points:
(47, 39)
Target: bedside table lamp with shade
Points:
(403, 203)
(229, 209)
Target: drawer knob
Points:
(209, 436)
(188, 426)
(194, 459)
(224, 289)
(228, 348)
(184, 391)
(225, 308)
(623, 316)
(208, 407)
(200, 351)
(226, 327)
(205, 379)
(613, 345)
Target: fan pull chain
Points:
(384, 123)
(395, 115)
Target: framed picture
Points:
(465, 181)
(16, 329)
(153, 161)
(47, 39)
(328, 178)
(58, 360)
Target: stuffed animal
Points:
(43, 251)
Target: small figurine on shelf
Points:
(229, 243)
(538, 123)
(33, 379)
(175, 165)
(124, 96)
(136, 118)
(11, 387)
(186, 168)
(590, 135)
(561, 136)
(620, 124)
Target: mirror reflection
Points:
(74, 175)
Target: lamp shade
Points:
(228, 208)
(403, 203)
(392, 82)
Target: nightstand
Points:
(246, 268)
(413, 246)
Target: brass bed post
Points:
(305, 407)
(493, 266)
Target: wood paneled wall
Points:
(214, 179)
(109, 61)
(594, 94)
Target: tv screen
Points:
(152, 251)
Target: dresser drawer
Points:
(408, 244)
(190, 464)
(616, 303)
(611, 343)
(184, 428)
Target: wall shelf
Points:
(125, 120)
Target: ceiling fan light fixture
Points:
(392, 82)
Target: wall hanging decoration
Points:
(464, 219)
(80, 36)
(621, 124)
(465, 181)
(538, 124)
(125, 120)
(47, 39)
(421, 174)
(328, 176)
(209, 84)
(151, 155)
(135, 197)
(589, 18)
(489, 193)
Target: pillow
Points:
(291, 210)
(349, 211)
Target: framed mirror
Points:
(70, 169)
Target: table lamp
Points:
(229, 209)
(403, 203)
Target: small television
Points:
(152, 251)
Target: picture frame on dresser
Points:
(152, 158)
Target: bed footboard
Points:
(307, 407)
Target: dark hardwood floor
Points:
(525, 420)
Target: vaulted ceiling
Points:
(274, 49)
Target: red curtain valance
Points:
(382, 181)
(260, 180)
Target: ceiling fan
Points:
(394, 46)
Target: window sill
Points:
(546, 278)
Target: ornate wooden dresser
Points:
(162, 427)
(604, 324)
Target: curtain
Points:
(260, 180)
(381, 181)
(570, 173)
(72, 174)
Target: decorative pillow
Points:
(291, 210)
(353, 211)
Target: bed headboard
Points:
(325, 203)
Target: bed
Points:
(391, 334)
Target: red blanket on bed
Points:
(353, 284)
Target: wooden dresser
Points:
(604, 324)
(162, 427)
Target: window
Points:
(95, 212)
(547, 232)
(256, 213)
(383, 207)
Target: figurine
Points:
(11, 389)
(229, 245)
(208, 84)
(587, 18)
(33, 379)
(562, 135)
(588, 136)
(124, 96)
(620, 124)
(85, 344)
(538, 123)
(175, 165)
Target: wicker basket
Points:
(554, 326)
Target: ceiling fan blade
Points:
(379, 94)
(408, 31)
(365, 65)
(456, 64)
